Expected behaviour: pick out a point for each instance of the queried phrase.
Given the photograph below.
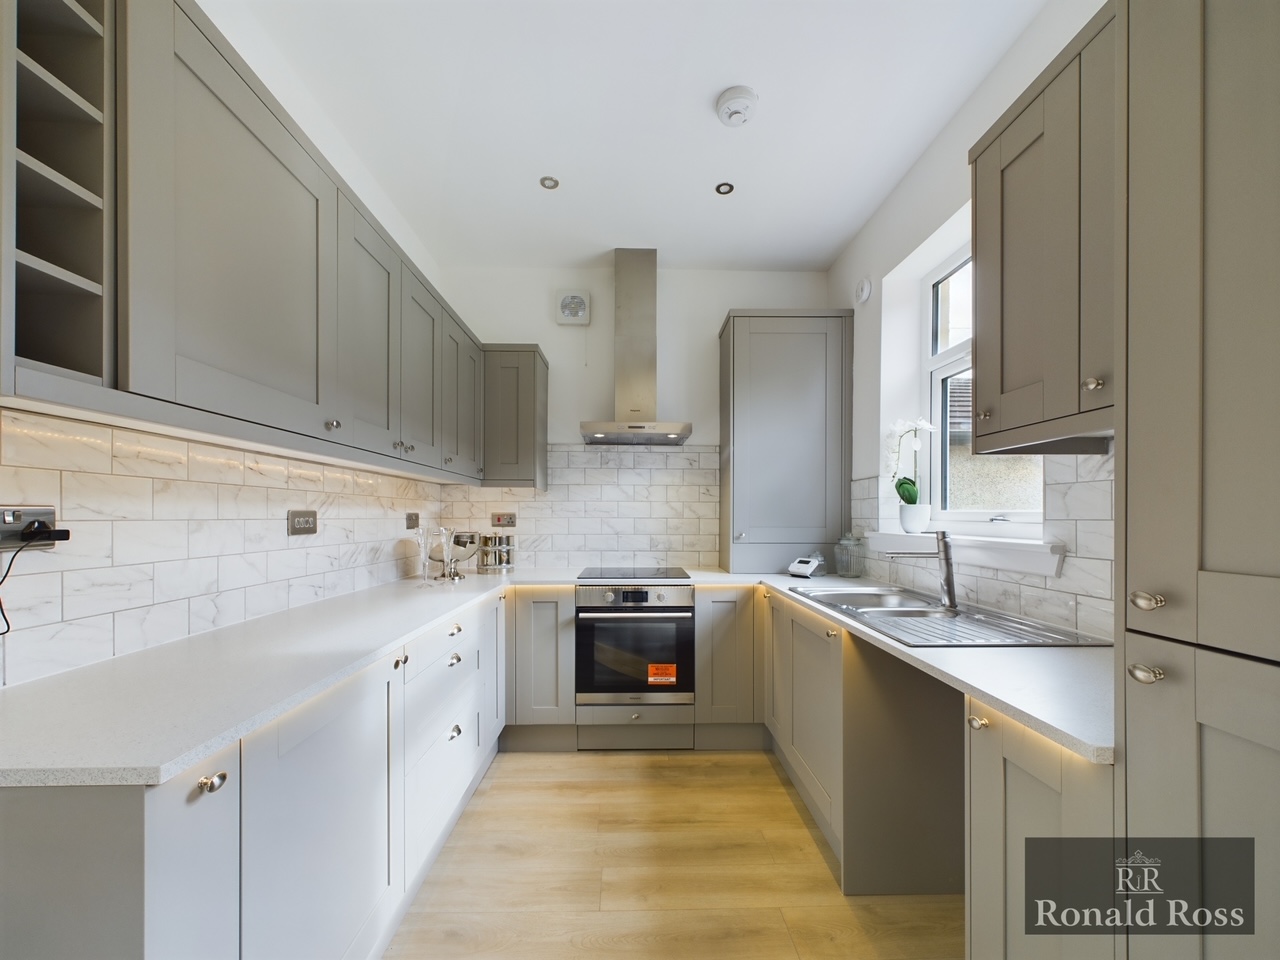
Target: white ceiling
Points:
(457, 107)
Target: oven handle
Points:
(635, 616)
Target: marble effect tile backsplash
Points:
(606, 506)
(171, 538)
(1078, 511)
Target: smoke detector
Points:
(735, 106)
(573, 308)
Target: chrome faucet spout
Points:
(947, 576)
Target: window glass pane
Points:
(953, 308)
(994, 483)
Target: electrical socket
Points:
(502, 519)
(13, 519)
(411, 521)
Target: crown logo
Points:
(1138, 858)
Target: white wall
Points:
(932, 191)
(512, 305)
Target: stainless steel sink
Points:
(894, 613)
(846, 599)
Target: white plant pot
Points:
(914, 517)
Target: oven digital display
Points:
(635, 596)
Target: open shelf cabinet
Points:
(59, 175)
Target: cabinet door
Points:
(321, 822)
(544, 654)
(229, 239)
(462, 373)
(369, 349)
(421, 331)
(777, 703)
(1202, 389)
(816, 717)
(1022, 785)
(1203, 760)
(515, 417)
(192, 851)
(493, 669)
(788, 476)
(1027, 264)
(725, 666)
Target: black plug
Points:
(39, 530)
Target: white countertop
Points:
(144, 717)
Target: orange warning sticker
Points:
(662, 673)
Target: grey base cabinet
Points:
(724, 666)
(1046, 228)
(785, 457)
(124, 872)
(544, 648)
(515, 416)
(1203, 760)
(1022, 785)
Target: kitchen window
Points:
(996, 494)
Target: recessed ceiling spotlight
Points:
(724, 189)
(549, 183)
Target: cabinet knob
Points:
(739, 536)
(979, 723)
(984, 415)
(409, 448)
(479, 469)
(333, 424)
(455, 732)
(448, 459)
(455, 660)
(1144, 674)
(1093, 383)
(1146, 601)
(395, 664)
(767, 594)
(404, 659)
(397, 444)
(833, 633)
(212, 784)
(635, 716)
(457, 629)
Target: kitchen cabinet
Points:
(1203, 760)
(1200, 559)
(369, 333)
(1047, 216)
(229, 238)
(57, 294)
(544, 644)
(1021, 785)
(515, 416)
(322, 819)
(421, 336)
(804, 711)
(724, 639)
(136, 872)
(462, 400)
(785, 457)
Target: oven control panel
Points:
(634, 595)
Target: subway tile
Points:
(1096, 538)
(34, 652)
(1078, 501)
(180, 579)
(262, 535)
(338, 480)
(1096, 617)
(241, 570)
(633, 509)
(584, 491)
(1091, 578)
(31, 485)
(339, 582)
(148, 541)
(601, 475)
(616, 493)
(1048, 606)
(618, 459)
(32, 599)
(97, 496)
(651, 459)
(616, 525)
(600, 541)
(584, 525)
(211, 464)
(212, 538)
(89, 546)
(86, 593)
(147, 455)
(634, 541)
(305, 476)
(566, 476)
(1096, 467)
(286, 564)
(1063, 531)
(306, 590)
(216, 610)
(1059, 468)
(184, 500)
(682, 460)
(262, 470)
(241, 503)
(150, 626)
(700, 477)
(584, 458)
(602, 508)
(31, 440)
(322, 559)
(998, 595)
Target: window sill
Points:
(1016, 556)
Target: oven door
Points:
(634, 656)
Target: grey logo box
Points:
(1140, 885)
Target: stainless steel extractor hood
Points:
(635, 358)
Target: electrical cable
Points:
(4, 577)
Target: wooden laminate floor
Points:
(670, 856)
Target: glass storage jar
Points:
(849, 556)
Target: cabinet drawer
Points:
(442, 641)
(428, 696)
(636, 716)
(437, 781)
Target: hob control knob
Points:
(662, 597)
(608, 596)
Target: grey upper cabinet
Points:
(1203, 760)
(1045, 216)
(515, 416)
(228, 233)
(462, 400)
(1203, 397)
(785, 405)
(421, 333)
(369, 348)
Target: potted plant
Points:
(912, 514)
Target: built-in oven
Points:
(634, 643)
